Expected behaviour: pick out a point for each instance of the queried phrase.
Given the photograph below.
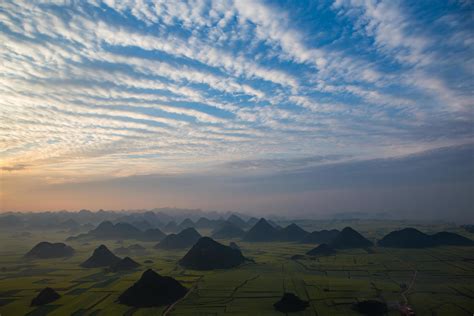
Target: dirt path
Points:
(170, 307)
(409, 287)
(413, 279)
(243, 284)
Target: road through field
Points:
(409, 287)
(170, 307)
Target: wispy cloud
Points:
(14, 167)
(282, 164)
(108, 89)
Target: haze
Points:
(297, 107)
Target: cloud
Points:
(97, 90)
(281, 164)
(400, 36)
(15, 167)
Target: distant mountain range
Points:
(149, 226)
(185, 239)
(292, 232)
(413, 238)
(237, 221)
(141, 219)
(349, 238)
(228, 230)
(319, 237)
(107, 230)
(262, 231)
(124, 264)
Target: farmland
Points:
(434, 281)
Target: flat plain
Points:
(434, 281)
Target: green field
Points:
(443, 284)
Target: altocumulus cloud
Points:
(94, 90)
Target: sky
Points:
(291, 107)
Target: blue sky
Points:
(99, 91)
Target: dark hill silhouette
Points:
(234, 245)
(349, 238)
(152, 289)
(203, 222)
(143, 224)
(107, 230)
(371, 307)
(262, 231)
(186, 238)
(186, 223)
(171, 227)
(101, 257)
(45, 296)
(228, 230)
(125, 264)
(290, 303)
(292, 232)
(406, 238)
(451, 239)
(152, 218)
(413, 238)
(216, 223)
(319, 237)
(120, 230)
(322, 250)
(208, 254)
(274, 224)
(468, 227)
(237, 221)
(46, 250)
(153, 234)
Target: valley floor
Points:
(434, 281)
